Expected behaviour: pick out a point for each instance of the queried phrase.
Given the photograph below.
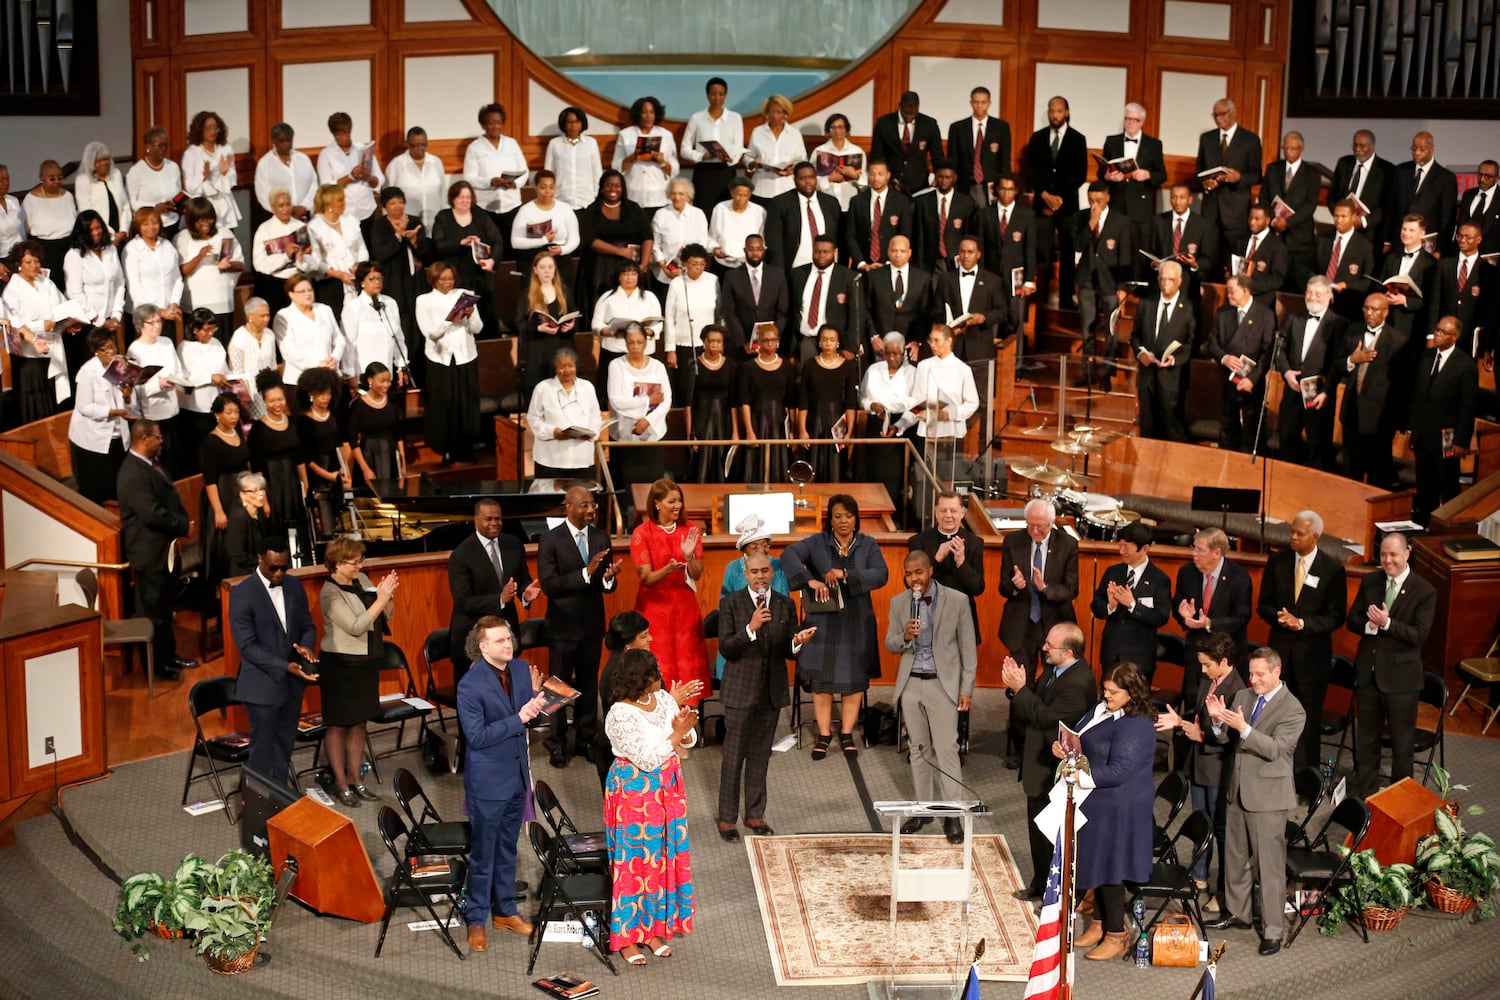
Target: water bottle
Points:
(364, 769)
(1327, 769)
(1142, 952)
(1138, 910)
(590, 922)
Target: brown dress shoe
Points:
(477, 939)
(1113, 946)
(514, 923)
(1092, 936)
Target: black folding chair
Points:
(587, 851)
(1173, 790)
(435, 649)
(1336, 723)
(565, 893)
(429, 834)
(216, 694)
(1172, 881)
(396, 714)
(1323, 867)
(407, 890)
(1310, 788)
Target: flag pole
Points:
(1065, 896)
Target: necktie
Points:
(504, 674)
(1094, 227)
(1298, 575)
(943, 227)
(1161, 321)
(1240, 315)
(1333, 258)
(1254, 242)
(1463, 273)
(1056, 142)
(494, 548)
(1359, 171)
(583, 546)
(1390, 592)
(1223, 146)
(1260, 703)
(1035, 613)
(1417, 184)
(978, 145)
(755, 284)
(905, 137)
(1359, 375)
(812, 220)
(900, 288)
(812, 307)
(1437, 362)
(1208, 594)
(1291, 172)
(1177, 238)
(1130, 579)
(156, 468)
(1004, 221)
(875, 233)
(1481, 204)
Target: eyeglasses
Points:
(253, 489)
(352, 562)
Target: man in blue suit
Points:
(274, 632)
(494, 706)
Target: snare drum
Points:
(1105, 525)
(1072, 502)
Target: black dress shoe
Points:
(168, 674)
(182, 664)
(558, 759)
(1028, 895)
(915, 823)
(761, 829)
(729, 835)
(953, 830)
(1269, 946)
(1228, 923)
(1012, 763)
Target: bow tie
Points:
(966, 274)
(1409, 254)
(273, 586)
(1315, 317)
(1373, 333)
(926, 599)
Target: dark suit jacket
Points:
(1424, 267)
(1252, 338)
(966, 579)
(962, 221)
(994, 157)
(909, 169)
(1392, 657)
(1213, 759)
(741, 312)
(265, 647)
(755, 671)
(1489, 224)
(837, 308)
(476, 592)
(1356, 264)
(978, 342)
(1307, 652)
(1107, 259)
(1229, 611)
(574, 607)
(152, 517)
(1268, 269)
(495, 765)
(1301, 195)
(1379, 193)
(1181, 326)
(1063, 176)
(1474, 304)
(784, 221)
(1198, 239)
(1130, 635)
(882, 313)
(1435, 201)
(1368, 405)
(1136, 199)
(895, 220)
(1446, 401)
(1017, 248)
(1228, 205)
(1060, 576)
(1323, 357)
(1045, 701)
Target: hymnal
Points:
(1281, 209)
(367, 156)
(1243, 369)
(558, 693)
(537, 230)
(635, 251)
(1124, 164)
(827, 163)
(429, 865)
(284, 244)
(715, 150)
(69, 315)
(1450, 445)
(309, 722)
(646, 389)
(1071, 742)
(1172, 349)
(481, 251)
(567, 986)
(618, 325)
(563, 323)
(1360, 208)
(1159, 260)
(1017, 280)
(1401, 283)
(1311, 385)
(226, 248)
(1429, 242)
(124, 372)
(1471, 548)
(647, 144)
(1213, 172)
(466, 301)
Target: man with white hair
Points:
(1132, 192)
(1296, 187)
(1308, 364)
(1303, 599)
(1162, 341)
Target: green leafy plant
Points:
(237, 904)
(1467, 863)
(153, 904)
(1389, 886)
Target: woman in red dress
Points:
(668, 555)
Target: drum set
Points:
(1096, 516)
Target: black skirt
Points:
(36, 395)
(350, 686)
(452, 418)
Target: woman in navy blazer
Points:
(1114, 847)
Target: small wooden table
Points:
(703, 502)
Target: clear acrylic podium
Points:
(929, 885)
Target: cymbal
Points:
(1081, 429)
(1077, 447)
(1040, 430)
(1041, 472)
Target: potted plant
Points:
(1378, 896)
(1461, 869)
(234, 913)
(151, 903)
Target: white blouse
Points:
(97, 281)
(50, 218)
(638, 305)
(200, 362)
(644, 737)
(30, 307)
(484, 162)
(359, 196)
(250, 357)
(628, 407)
(147, 186)
(89, 192)
(945, 382)
(577, 166)
(336, 249)
(208, 287)
(157, 399)
(217, 187)
(372, 334)
(728, 130)
(447, 343)
(844, 191)
(553, 407)
(307, 341)
(425, 185)
(91, 427)
(729, 230)
(153, 275)
(691, 305)
(12, 224)
(645, 183)
(561, 217)
(891, 391)
(773, 153)
(299, 178)
(671, 231)
(277, 265)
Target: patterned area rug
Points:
(826, 902)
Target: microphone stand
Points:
(1265, 466)
(405, 362)
(979, 808)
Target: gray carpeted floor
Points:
(55, 939)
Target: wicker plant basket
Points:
(166, 933)
(1448, 900)
(232, 966)
(1383, 918)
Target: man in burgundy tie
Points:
(907, 140)
(1213, 594)
(980, 146)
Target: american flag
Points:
(1046, 958)
(1210, 980)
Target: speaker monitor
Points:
(334, 875)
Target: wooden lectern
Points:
(1400, 816)
(334, 875)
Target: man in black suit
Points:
(1372, 180)
(1481, 204)
(1133, 194)
(1184, 235)
(820, 293)
(1226, 196)
(1409, 312)
(1213, 594)
(751, 295)
(757, 635)
(1162, 320)
(273, 630)
(1368, 426)
(898, 298)
(1442, 416)
(980, 147)
(940, 217)
(486, 574)
(1241, 343)
(1466, 288)
(795, 217)
(1391, 614)
(1313, 342)
(1134, 600)
(1299, 186)
(1303, 599)
(1039, 581)
(1427, 188)
(864, 241)
(907, 140)
(152, 518)
(1063, 691)
(575, 570)
(1348, 261)
(1009, 231)
(1262, 259)
(957, 553)
(1056, 163)
(1102, 237)
(971, 296)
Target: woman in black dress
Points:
(323, 458)
(467, 240)
(712, 415)
(274, 450)
(223, 456)
(546, 303)
(373, 432)
(250, 525)
(355, 613)
(828, 395)
(765, 390)
(615, 229)
(403, 249)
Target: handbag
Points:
(1175, 942)
(812, 606)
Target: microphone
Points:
(978, 807)
(916, 599)
(377, 303)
